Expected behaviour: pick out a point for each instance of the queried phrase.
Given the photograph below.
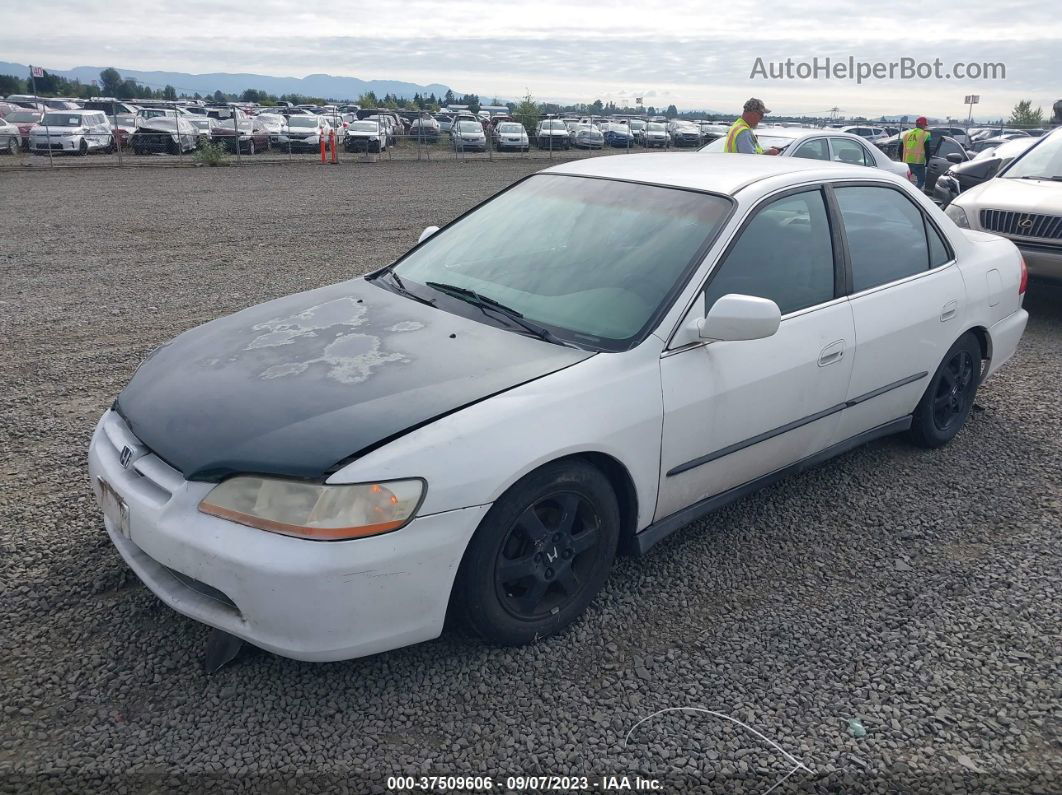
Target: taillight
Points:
(1024, 282)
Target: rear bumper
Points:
(1005, 335)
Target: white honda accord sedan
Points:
(584, 363)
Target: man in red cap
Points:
(914, 146)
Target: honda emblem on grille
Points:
(1026, 223)
(125, 456)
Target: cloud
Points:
(700, 56)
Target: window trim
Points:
(840, 275)
(926, 220)
(866, 154)
(812, 139)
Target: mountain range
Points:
(316, 85)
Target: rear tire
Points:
(949, 398)
(12, 146)
(540, 555)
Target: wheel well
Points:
(626, 495)
(981, 334)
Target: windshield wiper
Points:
(400, 286)
(485, 302)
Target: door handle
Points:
(833, 352)
(949, 311)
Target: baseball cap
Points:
(755, 106)
(921, 120)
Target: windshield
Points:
(366, 126)
(23, 115)
(591, 259)
(554, 125)
(510, 128)
(302, 121)
(1043, 160)
(656, 128)
(61, 120)
(469, 127)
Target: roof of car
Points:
(719, 173)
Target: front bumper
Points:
(39, 143)
(309, 600)
(1043, 261)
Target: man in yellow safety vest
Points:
(741, 138)
(914, 146)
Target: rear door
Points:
(734, 411)
(907, 300)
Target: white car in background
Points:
(866, 133)
(366, 136)
(826, 144)
(1022, 203)
(301, 133)
(76, 132)
(597, 356)
(10, 138)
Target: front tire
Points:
(82, 148)
(540, 555)
(949, 398)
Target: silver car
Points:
(1023, 204)
(10, 138)
(586, 136)
(828, 144)
(75, 132)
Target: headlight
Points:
(313, 510)
(958, 215)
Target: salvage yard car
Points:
(1024, 204)
(816, 144)
(985, 165)
(165, 135)
(75, 132)
(366, 136)
(302, 133)
(468, 135)
(10, 138)
(590, 360)
(510, 135)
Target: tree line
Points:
(112, 84)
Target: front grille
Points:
(158, 478)
(1018, 224)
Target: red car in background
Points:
(25, 120)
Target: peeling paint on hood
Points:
(296, 385)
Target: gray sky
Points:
(692, 54)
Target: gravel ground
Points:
(916, 591)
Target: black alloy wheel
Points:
(540, 555)
(949, 398)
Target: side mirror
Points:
(732, 318)
(428, 232)
(953, 157)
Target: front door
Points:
(734, 411)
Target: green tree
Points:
(169, 92)
(110, 80)
(368, 100)
(527, 113)
(218, 96)
(9, 84)
(671, 111)
(1024, 116)
(596, 107)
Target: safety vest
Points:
(914, 145)
(736, 129)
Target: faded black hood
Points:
(294, 386)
